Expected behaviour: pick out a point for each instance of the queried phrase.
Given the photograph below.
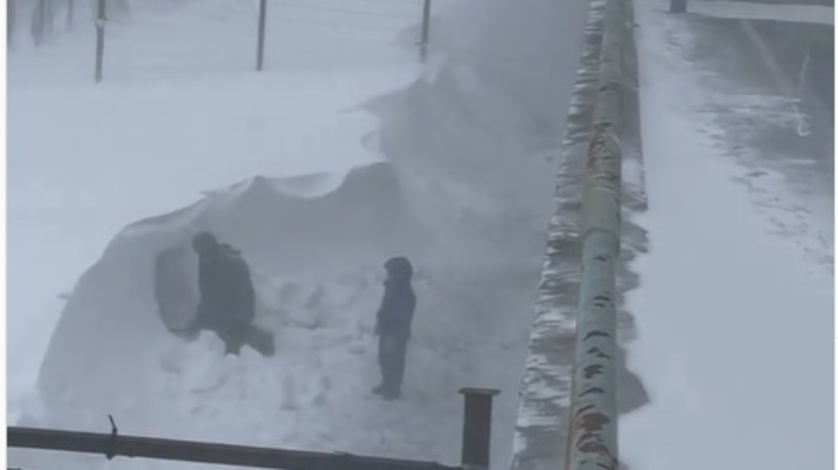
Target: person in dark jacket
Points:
(227, 304)
(393, 324)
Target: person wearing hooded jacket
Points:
(393, 325)
(227, 304)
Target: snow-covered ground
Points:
(180, 114)
(87, 160)
(99, 158)
(735, 309)
(186, 148)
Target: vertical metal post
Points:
(426, 30)
(10, 21)
(593, 420)
(100, 39)
(477, 427)
(260, 47)
(677, 6)
(71, 6)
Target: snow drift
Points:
(284, 228)
(318, 284)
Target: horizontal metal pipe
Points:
(190, 451)
(593, 421)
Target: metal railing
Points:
(475, 446)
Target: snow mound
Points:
(287, 221)
(317, 268)
(110, 327)
(308, 186)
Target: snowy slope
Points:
(186, 148)
(160, 132)
(121, 139)
(735, 313)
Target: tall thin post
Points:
(426, 30)
(10, 20)
(71, 6)
(677, 6)
(593, 419)
(100, 39)
(477, 427)
(260, 47)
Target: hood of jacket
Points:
(399, 271)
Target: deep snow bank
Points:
(86, 161)
(111, 321)
(111, 353)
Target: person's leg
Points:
(232, 336)
(399, 357)
(382, 365)
(393, 368)
(395, 373)
(238, 338)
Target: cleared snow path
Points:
(735, 311)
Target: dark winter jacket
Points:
(396, 312)
(224, 279)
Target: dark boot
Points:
(232, 341)
(262, 341)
